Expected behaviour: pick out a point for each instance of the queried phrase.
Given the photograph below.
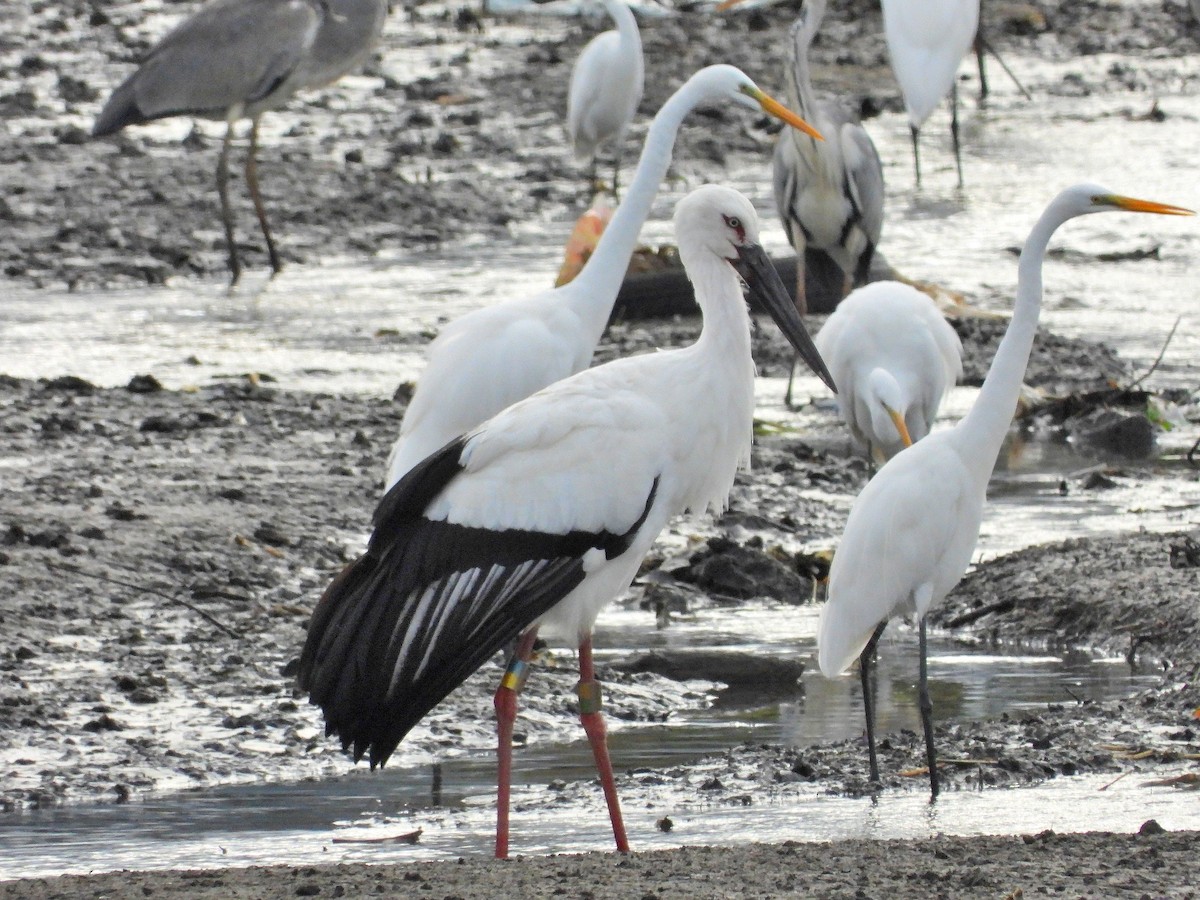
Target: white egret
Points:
(542, 515)
(893, 356)
(494, 356)
(606, 88)
(911, 532)
(829, 193)
(927, 40)
(236, 59)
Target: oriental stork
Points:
(540, 516)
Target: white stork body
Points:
(911, 532)
(829, 193)
(927, 40)
(606, 88)
(893, 356)
(542, 514)
(492, 357)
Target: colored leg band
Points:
(589, 697)
(515, 675)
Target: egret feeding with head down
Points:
(894, 356)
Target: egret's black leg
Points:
(926, 706)
(954, 131)
(235, 265)
(865, 664)
(916, 152)
(259, 208)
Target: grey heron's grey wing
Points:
(231, 52)
(864, 178)
(790, 173)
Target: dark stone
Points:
(1112, 431)
(727, 666)
(144, 384)
(737, 571)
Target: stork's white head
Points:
(717, 219)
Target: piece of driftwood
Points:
(663, 293)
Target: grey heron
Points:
(236, 59)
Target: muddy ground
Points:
(419, 155)
(160, 550)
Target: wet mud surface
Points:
(160, 551)
(1046, 864)
(462, 144)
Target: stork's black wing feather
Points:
(427, 605)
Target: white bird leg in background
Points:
(606, 88)
(236, 59)
(927, 40)
(911, 532)
(893, 356)
(541, 516)
(829, 193)
(492, 357)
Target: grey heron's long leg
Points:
(616, 185)
(954, 131)
(865, 664)
(593, 725)
(259, 208)
(235, 265)
(915, 131)
(926, 706)
(981, 44)
(801, 300)
(506, 714)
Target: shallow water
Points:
(355, 326)
(309, 822)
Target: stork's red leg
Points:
(593, 724)
(506, 715)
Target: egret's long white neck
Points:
(988, 421)
(622, 15)
(595, 288)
